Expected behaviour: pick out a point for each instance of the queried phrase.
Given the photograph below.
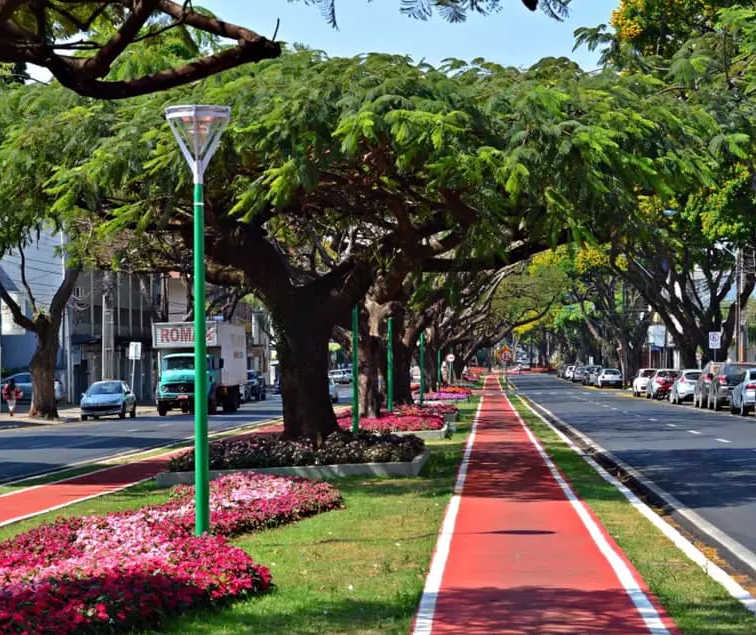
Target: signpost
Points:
(422, 367)
(506, 357)
(135, 353)
(715, 342)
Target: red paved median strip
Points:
(517, 556)
(34, 500)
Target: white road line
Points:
(711, 569)
(669, 425)
(137, 429)
(652, 419)
(427, 608)
(723, 440)
(615, 408)
(635, 592)
(694, 431)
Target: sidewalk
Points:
(520, 554)
(30, 501)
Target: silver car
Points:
(333, 390)
(108, 398)
(684, 385)
(744, 394)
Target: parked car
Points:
(701, 389)
(107, 398)
(255, 387)
(744, 394)
(578, 374)
(561, 370)
(591, 372)
(24, 384)
(723, 383)
(333, 390)
(609, 377)
(684, 385)
(659, 379)
(341, 376)
(640, 381)
(569, 371)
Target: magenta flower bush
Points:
(440, 409)
(394, 423)
(444, 395)
(128, 570)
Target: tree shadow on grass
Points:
(526, 610)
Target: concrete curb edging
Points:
(602, 460)
(315, 472)
(427, 434)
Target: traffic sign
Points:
(715, 339)
(506, 356)
(450, 358)
(135, 350)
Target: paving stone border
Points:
(315, 472)
(429, 434)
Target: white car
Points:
(568, 373)
(640, 381)
(609, 377)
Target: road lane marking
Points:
(137, 429)
(694, 431)
(652, 419)
(40, 447)
(615, 408)
(669, 425)
(723, 440)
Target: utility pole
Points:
(108, 330)
(738, 290)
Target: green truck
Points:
(226, 365)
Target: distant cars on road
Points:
(24, 384)
(640, 381)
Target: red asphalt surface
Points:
(38, 499)
(520, 560)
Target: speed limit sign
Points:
(450, 358)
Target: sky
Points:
(514, 36)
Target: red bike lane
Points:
(520, 554)
(33, 500)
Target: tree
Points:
(334, 170)
(79, 42)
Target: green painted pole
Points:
(390, 359)
(422, 368)
(201, 451)
(355, 370)
(438, 369)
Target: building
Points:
(99, 297)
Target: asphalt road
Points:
(33, 450)
(705, 459)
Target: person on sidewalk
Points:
(11, 392)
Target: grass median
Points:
(356, 571)
(697, 604)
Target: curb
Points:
(738, 557)
(314, 472)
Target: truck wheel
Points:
(162, 410)
(231, 402)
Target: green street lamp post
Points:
(422, 368)
(438, 369)
(390, 370)
(198, 130)
(355, 388)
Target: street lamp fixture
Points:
(198, 130)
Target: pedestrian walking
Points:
(11, 392)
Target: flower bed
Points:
(440, 409)
(445, 395)
(462, 390)
(127, 570)
(258, 451)
(395, 423)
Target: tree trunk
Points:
(42, 368)
(303, 354)
(459, 364)
(402, 371)
(369, 361)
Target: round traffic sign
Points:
(506, 356)
(450, 358)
